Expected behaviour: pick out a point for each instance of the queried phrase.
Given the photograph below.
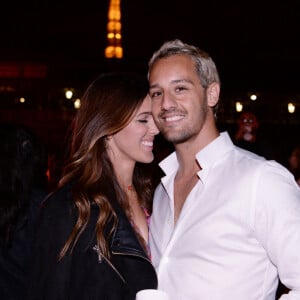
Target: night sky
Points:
(254, 43)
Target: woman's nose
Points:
(153, 128)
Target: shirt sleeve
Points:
(277, 224)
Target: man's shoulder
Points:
(246, 154)
(248, 161)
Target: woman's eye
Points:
(143, 121)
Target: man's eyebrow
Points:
(182, 81)
(175, 81)
(153, 86)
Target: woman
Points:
(92, 240)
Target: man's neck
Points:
(187, 151)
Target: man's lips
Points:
(173, 118)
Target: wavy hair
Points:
(107, 106)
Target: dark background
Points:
(255, 45)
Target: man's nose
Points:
(168, 101)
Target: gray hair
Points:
(205, 66)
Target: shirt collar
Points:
(210, 154)
(206, 157)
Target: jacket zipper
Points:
(114, 268)
(123, 253)
(136, 255)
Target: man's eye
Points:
(180, 88)
(155, 94)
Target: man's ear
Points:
(213, 93)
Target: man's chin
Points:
(175, 139)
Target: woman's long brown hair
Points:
(107, 106)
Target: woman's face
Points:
(134, 143)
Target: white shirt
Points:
(238, 229)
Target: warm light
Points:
(109, 52)
(238, 106)
(118, 52)
(114, 11)
(114, 36)
(77, 103)
(113, 26)
(113, 52)
(22, 100)
(69, 94)
(253, 97)
(291, 108)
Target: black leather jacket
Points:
(85, 274)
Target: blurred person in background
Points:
(23, 186)
(294, 162)
(247, 135)
(93, 236)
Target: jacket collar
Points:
(124, 240)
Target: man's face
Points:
(248, 122)
(179, 102)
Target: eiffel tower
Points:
(114, 37)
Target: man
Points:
(225, 222)
(247, 136)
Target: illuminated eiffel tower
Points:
(114, 37)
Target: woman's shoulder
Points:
(58, 202)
